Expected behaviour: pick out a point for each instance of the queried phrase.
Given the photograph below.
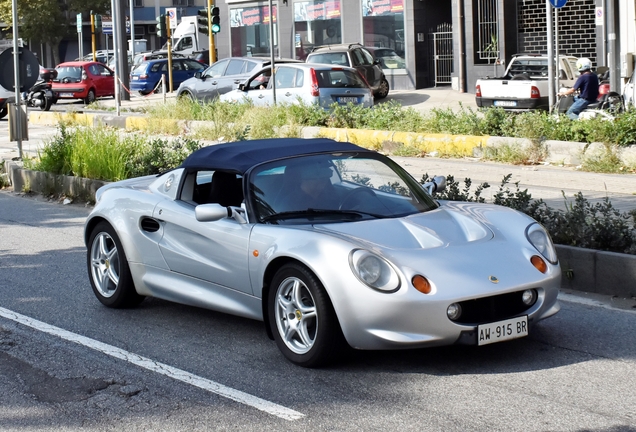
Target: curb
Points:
(585, 270)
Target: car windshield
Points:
(330, 188)
(70, 72)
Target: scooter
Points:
(607, 106)
(41, 95)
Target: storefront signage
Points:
(252, 16)
(316, 10)
(382, 7)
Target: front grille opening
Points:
(490, 309)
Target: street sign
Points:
(79, 22)
(107, 27)
(558, 3)
(172, 14)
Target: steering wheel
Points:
(356, 194)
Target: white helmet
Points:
(583, 64)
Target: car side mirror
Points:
(438, 184)
(376, 62)
(215, 212)
(198, 75)
(242, 87)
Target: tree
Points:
(49, 21)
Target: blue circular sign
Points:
(558, 3)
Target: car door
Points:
(104, 80)
(286, 89)
(258, 89)
(366, 63)
(216, 252)
(234, 75)
(190, 67)
(205, 89)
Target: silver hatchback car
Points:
(296, 83)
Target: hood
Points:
(445, 226)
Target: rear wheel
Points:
(46, 103)
(108, 269)
(383, 91)
(90, 98)
(302, 318)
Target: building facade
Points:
(448, 42)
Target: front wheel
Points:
(108, 269)
(302, 318)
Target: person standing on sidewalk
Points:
(587, 84)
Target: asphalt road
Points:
(68, 363)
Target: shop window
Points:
(316, 23)
(249, 31)
(487, 34)
(383, 22)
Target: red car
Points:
(83, 80)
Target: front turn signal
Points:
(421, 284)
(538, 263)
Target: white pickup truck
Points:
(525, 83)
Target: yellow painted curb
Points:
(444, 144)
(54, 118)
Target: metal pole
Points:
(557, 71)
(613, 48)
(548, 15)
(462, 50)
(271, 48)
(132, 30)
(113, 12)
(16, 72)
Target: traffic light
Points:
(216, 20)
(162, 31)
(98, 23)
(202, 20)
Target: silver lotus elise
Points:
(326, 242)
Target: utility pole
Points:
(613, 61)
(121, 49)
(548, 15)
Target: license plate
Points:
(502, 330)
(506, 103)
(347, 99)
(135, 78)
(66, 94)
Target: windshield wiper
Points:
(299, 214)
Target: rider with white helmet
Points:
(587, 85)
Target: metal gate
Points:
(441, 62)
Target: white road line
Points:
(163, 369)
(591, 302)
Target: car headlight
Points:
(540, 239)
(374, 271)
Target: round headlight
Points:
(370, 269)
(374, 271)
(540, 239)
(454, 311)
(529, 297)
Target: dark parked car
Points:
(356, 56)
(223, 76)
(146, 77)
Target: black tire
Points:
(46, 105)
(383, 91)
(186, 95)
(295, 294)
(90, 97)
(3, 112)
(108, 269)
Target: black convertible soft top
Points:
(240, 156)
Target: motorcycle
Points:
(41, 94)
(607, 105)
